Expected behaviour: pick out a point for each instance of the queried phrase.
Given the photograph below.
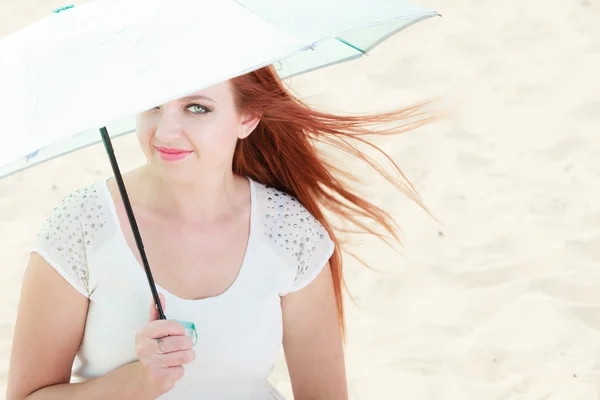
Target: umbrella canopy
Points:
(92, 68)
(99, 64)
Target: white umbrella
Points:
(91, 68)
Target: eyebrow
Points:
(195, 97)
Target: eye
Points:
(197, 109)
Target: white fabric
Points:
(239, 331)
(101, 63)
(123, 57)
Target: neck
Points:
(204, 199)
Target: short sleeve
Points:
(61, 241)
(313, 255)
(302, 242)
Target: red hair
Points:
(282, 153)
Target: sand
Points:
(499, 300)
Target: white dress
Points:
(239, 331)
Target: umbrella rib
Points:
(351, 45)
(400, 29)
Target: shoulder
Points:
(82, 212)
(78, 224)
(76, 227)
(291, 231)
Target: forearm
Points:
(122, 383)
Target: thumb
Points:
(153, 311)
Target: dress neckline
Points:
(139, 268)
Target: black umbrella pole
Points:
(134, 227)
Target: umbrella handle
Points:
(134, 227)
(190, 331)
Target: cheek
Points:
(144, 139)
(143, 122)
(217, 136)
(144, 133)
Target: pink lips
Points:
(168, 154)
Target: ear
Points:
(248, 124)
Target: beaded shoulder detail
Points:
(290, 227)
(71, 228)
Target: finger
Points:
(172, 344)
(163, 328)
(175, 359)
(153, 310)
(176, 372)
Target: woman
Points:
(230, 210)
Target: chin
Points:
(181, 178)
(178, 172)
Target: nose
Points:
(169, 126)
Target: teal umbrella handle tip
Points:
(190, 330)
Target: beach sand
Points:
(500, 299)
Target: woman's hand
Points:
(162, 349)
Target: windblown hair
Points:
(282, 153)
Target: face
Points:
(195, 134)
